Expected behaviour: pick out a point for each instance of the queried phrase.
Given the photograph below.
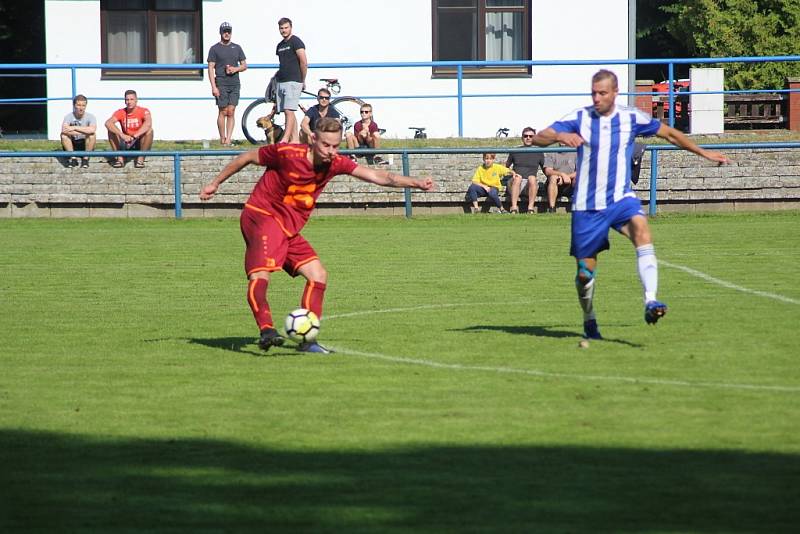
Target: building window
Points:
(150, 31)
(482, 30)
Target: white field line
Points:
(729, 285)
(535, 372)
(546, 374)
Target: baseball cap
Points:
(225, 27)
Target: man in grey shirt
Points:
(559, 168)
(226, 60)
(78, 131)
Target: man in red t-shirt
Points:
(135, 130)
(278, 208)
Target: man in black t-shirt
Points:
(525, 166)
(315, 113)
(226, 60)
(291, 52)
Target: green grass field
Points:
(133, 397)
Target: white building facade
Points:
(343, 33)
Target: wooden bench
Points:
(760, 109)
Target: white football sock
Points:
(648, 271)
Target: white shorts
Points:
(289, 95)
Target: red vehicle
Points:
(662, 100)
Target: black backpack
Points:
(272, 89)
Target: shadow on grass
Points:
(539, 331)
(58, 482)
(243, 345)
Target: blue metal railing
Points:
(403, 152)
(460, 95)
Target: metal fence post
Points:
(460, 76)
(407, 190)
(671, 94)
(653, 178)
(177, 172)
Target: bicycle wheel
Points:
(349, 107)
(255, 133)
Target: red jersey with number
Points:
(290, 186)
(133, 121)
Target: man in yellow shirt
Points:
(486, 182)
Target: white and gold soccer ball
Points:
(302, 325)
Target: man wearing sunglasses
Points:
(525, 166)
(226, 60)
(315, 113)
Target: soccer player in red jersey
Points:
(278, 208)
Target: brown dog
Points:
(272, 131)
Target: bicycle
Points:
(349, 108)
(501, 132)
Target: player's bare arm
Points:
(212, 78)
(303, 61)
(677, 138)
(548, 136)
(390, 179)
(238, 163)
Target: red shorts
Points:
(268, 246)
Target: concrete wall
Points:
(360, 31)
(44, 187)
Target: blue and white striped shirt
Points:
(604, 160)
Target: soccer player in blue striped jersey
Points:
(603, 135)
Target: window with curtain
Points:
(482, 30)
(151, 31)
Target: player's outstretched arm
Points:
(677, 138)
(548, 136)
(238, 163)
(390, 179)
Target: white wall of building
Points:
(366, 31)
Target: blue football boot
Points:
(313, 346)
(653, 311)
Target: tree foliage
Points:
(730, 28)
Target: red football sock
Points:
(257, 299)
(313, 295)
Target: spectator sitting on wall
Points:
(486, 182)
(366, 133)
(78, 131)
(315, 113)
(135, 130)
(559, 168)
(525, 165)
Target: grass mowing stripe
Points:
(729, 285)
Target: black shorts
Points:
(79, 144)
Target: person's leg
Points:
(221, 125)
(584, 283)
(514, 186)
(116, 142)
(230, 121)
(290, 133)
(473, 192)
(494, 196)
(533, 188)
(316, 282)
(638, 231)
(552, 192)
(145, 143)
(91, 141)
(66, 143)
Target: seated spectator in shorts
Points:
(322, 109)
(366, 133)
(526, 165)
(135, 130)
(559, 168)
(486, 182)
(78, 131)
